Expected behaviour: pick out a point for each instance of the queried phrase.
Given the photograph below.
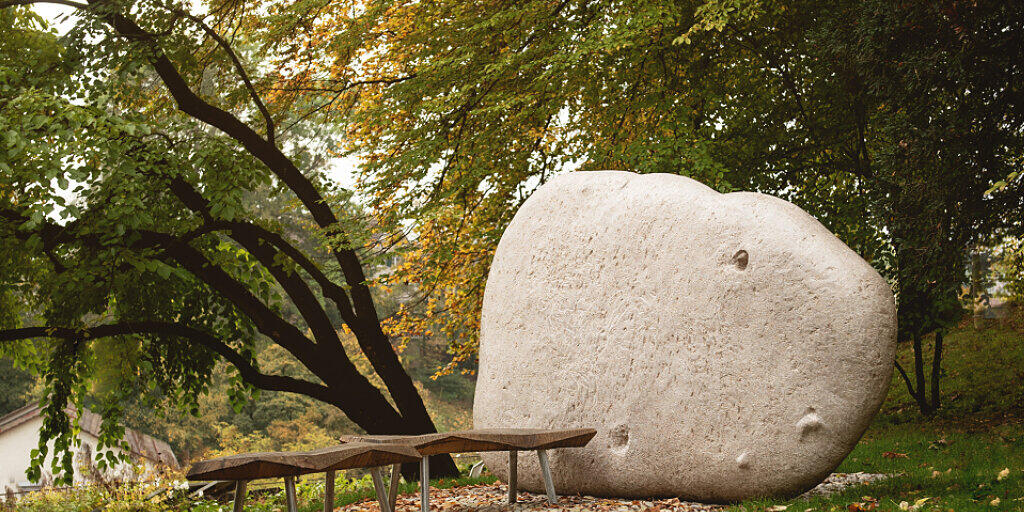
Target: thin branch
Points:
(906, 379)
(238, 67)
(13, 3)
(348, 85)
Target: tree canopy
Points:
(897, 125)
(132, 252)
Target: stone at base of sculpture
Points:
(725, 346)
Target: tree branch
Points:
(906, 379)
(196, 263)
(196, 202)
(245, 368)
(12, 3)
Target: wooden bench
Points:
(251, 466)
(512, 440)
(375, 452)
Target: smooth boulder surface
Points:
(725, 346)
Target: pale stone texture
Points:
(723, 345)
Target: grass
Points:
(954, 469)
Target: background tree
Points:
(15, 386)
(130, 148)
(888, 122)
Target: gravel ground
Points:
(492, 498)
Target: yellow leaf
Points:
(1003, 474)
(920, 502)
(994, 503)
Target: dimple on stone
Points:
(620, 438)
(809, 423)
(740, 259)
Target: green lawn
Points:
(953, 468)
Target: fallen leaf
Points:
(1003, 474)
(777, 508)
(994, 503)
(904, 505)
(894, 455)
(862, 506)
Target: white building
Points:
(19, 435)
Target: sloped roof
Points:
(140, 444)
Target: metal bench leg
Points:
(425, 484)
(396, 473)
(513, 470)
(239, 495)
(545, 469)
(329, 492)
(382, 492)
(289, 493)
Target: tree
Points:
(15, 386)
(890, 123)
(129, 149)
(912, 110)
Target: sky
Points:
(61, 17)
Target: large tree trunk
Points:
(374, 414)
(377, 420)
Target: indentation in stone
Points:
(809, 423)
(740, 259)
(620, 438)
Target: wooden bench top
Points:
(483, 440)
(250, 466)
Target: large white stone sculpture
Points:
(724, 346)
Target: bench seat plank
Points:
(252, 466)
(483, 440)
